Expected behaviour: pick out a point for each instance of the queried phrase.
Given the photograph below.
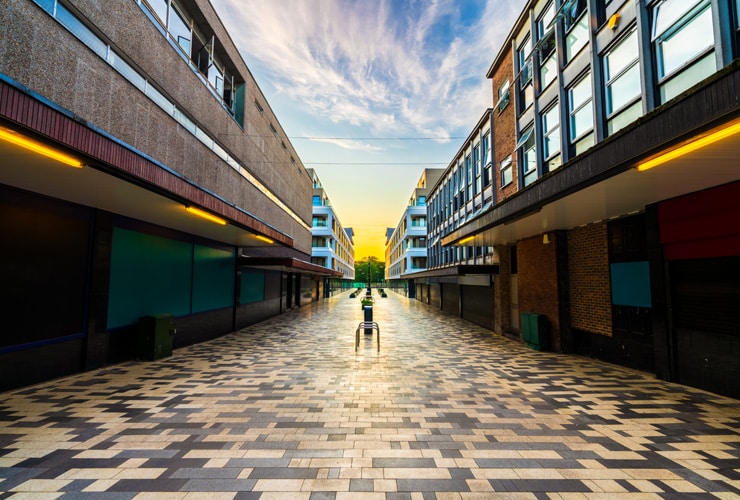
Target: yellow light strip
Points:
(24, 142)
(264, 238)
(206, 215)
(465, 240)
(689, 147)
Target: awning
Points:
(288, 264)
(461, 270)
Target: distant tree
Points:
(377, 270)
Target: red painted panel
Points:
(702, 225)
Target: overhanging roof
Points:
(461, 270)
(288, 264)
(117, 178)
(603, 183)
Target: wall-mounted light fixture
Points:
(206, 215)
(37, 147)
(614, 21)
(264, 238)
(687, 148)
(465, 240)
(545, 239)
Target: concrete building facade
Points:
(332, 244)
(406, 244)
(459, 279)
(143, 173)
(615, 126)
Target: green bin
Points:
(155, 337)
(536, 331)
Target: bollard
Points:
(368, 311)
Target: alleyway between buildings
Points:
(288, 409)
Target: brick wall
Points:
(590, 288)
(538, 282)
(504, 131)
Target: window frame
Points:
(574, 110)
(688, 16)
(547, 132)
(610, 79)
(505, 166)
(504, 95)
(528, 147)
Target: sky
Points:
(372, 92)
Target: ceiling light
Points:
(206, 215)
(37, 147)
(265, 239)
(465, 240)
(689, 147)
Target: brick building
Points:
(615, 127)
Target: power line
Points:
(318, 138)
(374, 163)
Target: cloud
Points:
(385, 66)
(350, 144)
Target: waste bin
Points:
(536, 331)
(155, 337)
(368, 311)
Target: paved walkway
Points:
(286, 409)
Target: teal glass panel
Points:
(149, 275)
(631, 284)
(214, 271)
(252, 287)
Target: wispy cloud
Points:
(385, 66)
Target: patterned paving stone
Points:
(288, 409)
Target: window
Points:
(178, 25)
(683, 37)
(546, 46)
(580, 108)
(577, 38)
(421, 201)
(317, 201)
(524, 55)
(623, 90)
(319, 221)
(548, 70)
(551, 137)
(503, 96)
(198, 50)
(418, 222)
(506, 172)
(476, 168)
(572, 11)
(529, 155)
(486, 147)
(159, 8)
(545, 22)
(469, 179)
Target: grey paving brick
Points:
(287, 408)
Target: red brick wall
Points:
(504, 127)
(538, 282)
(588, 273)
